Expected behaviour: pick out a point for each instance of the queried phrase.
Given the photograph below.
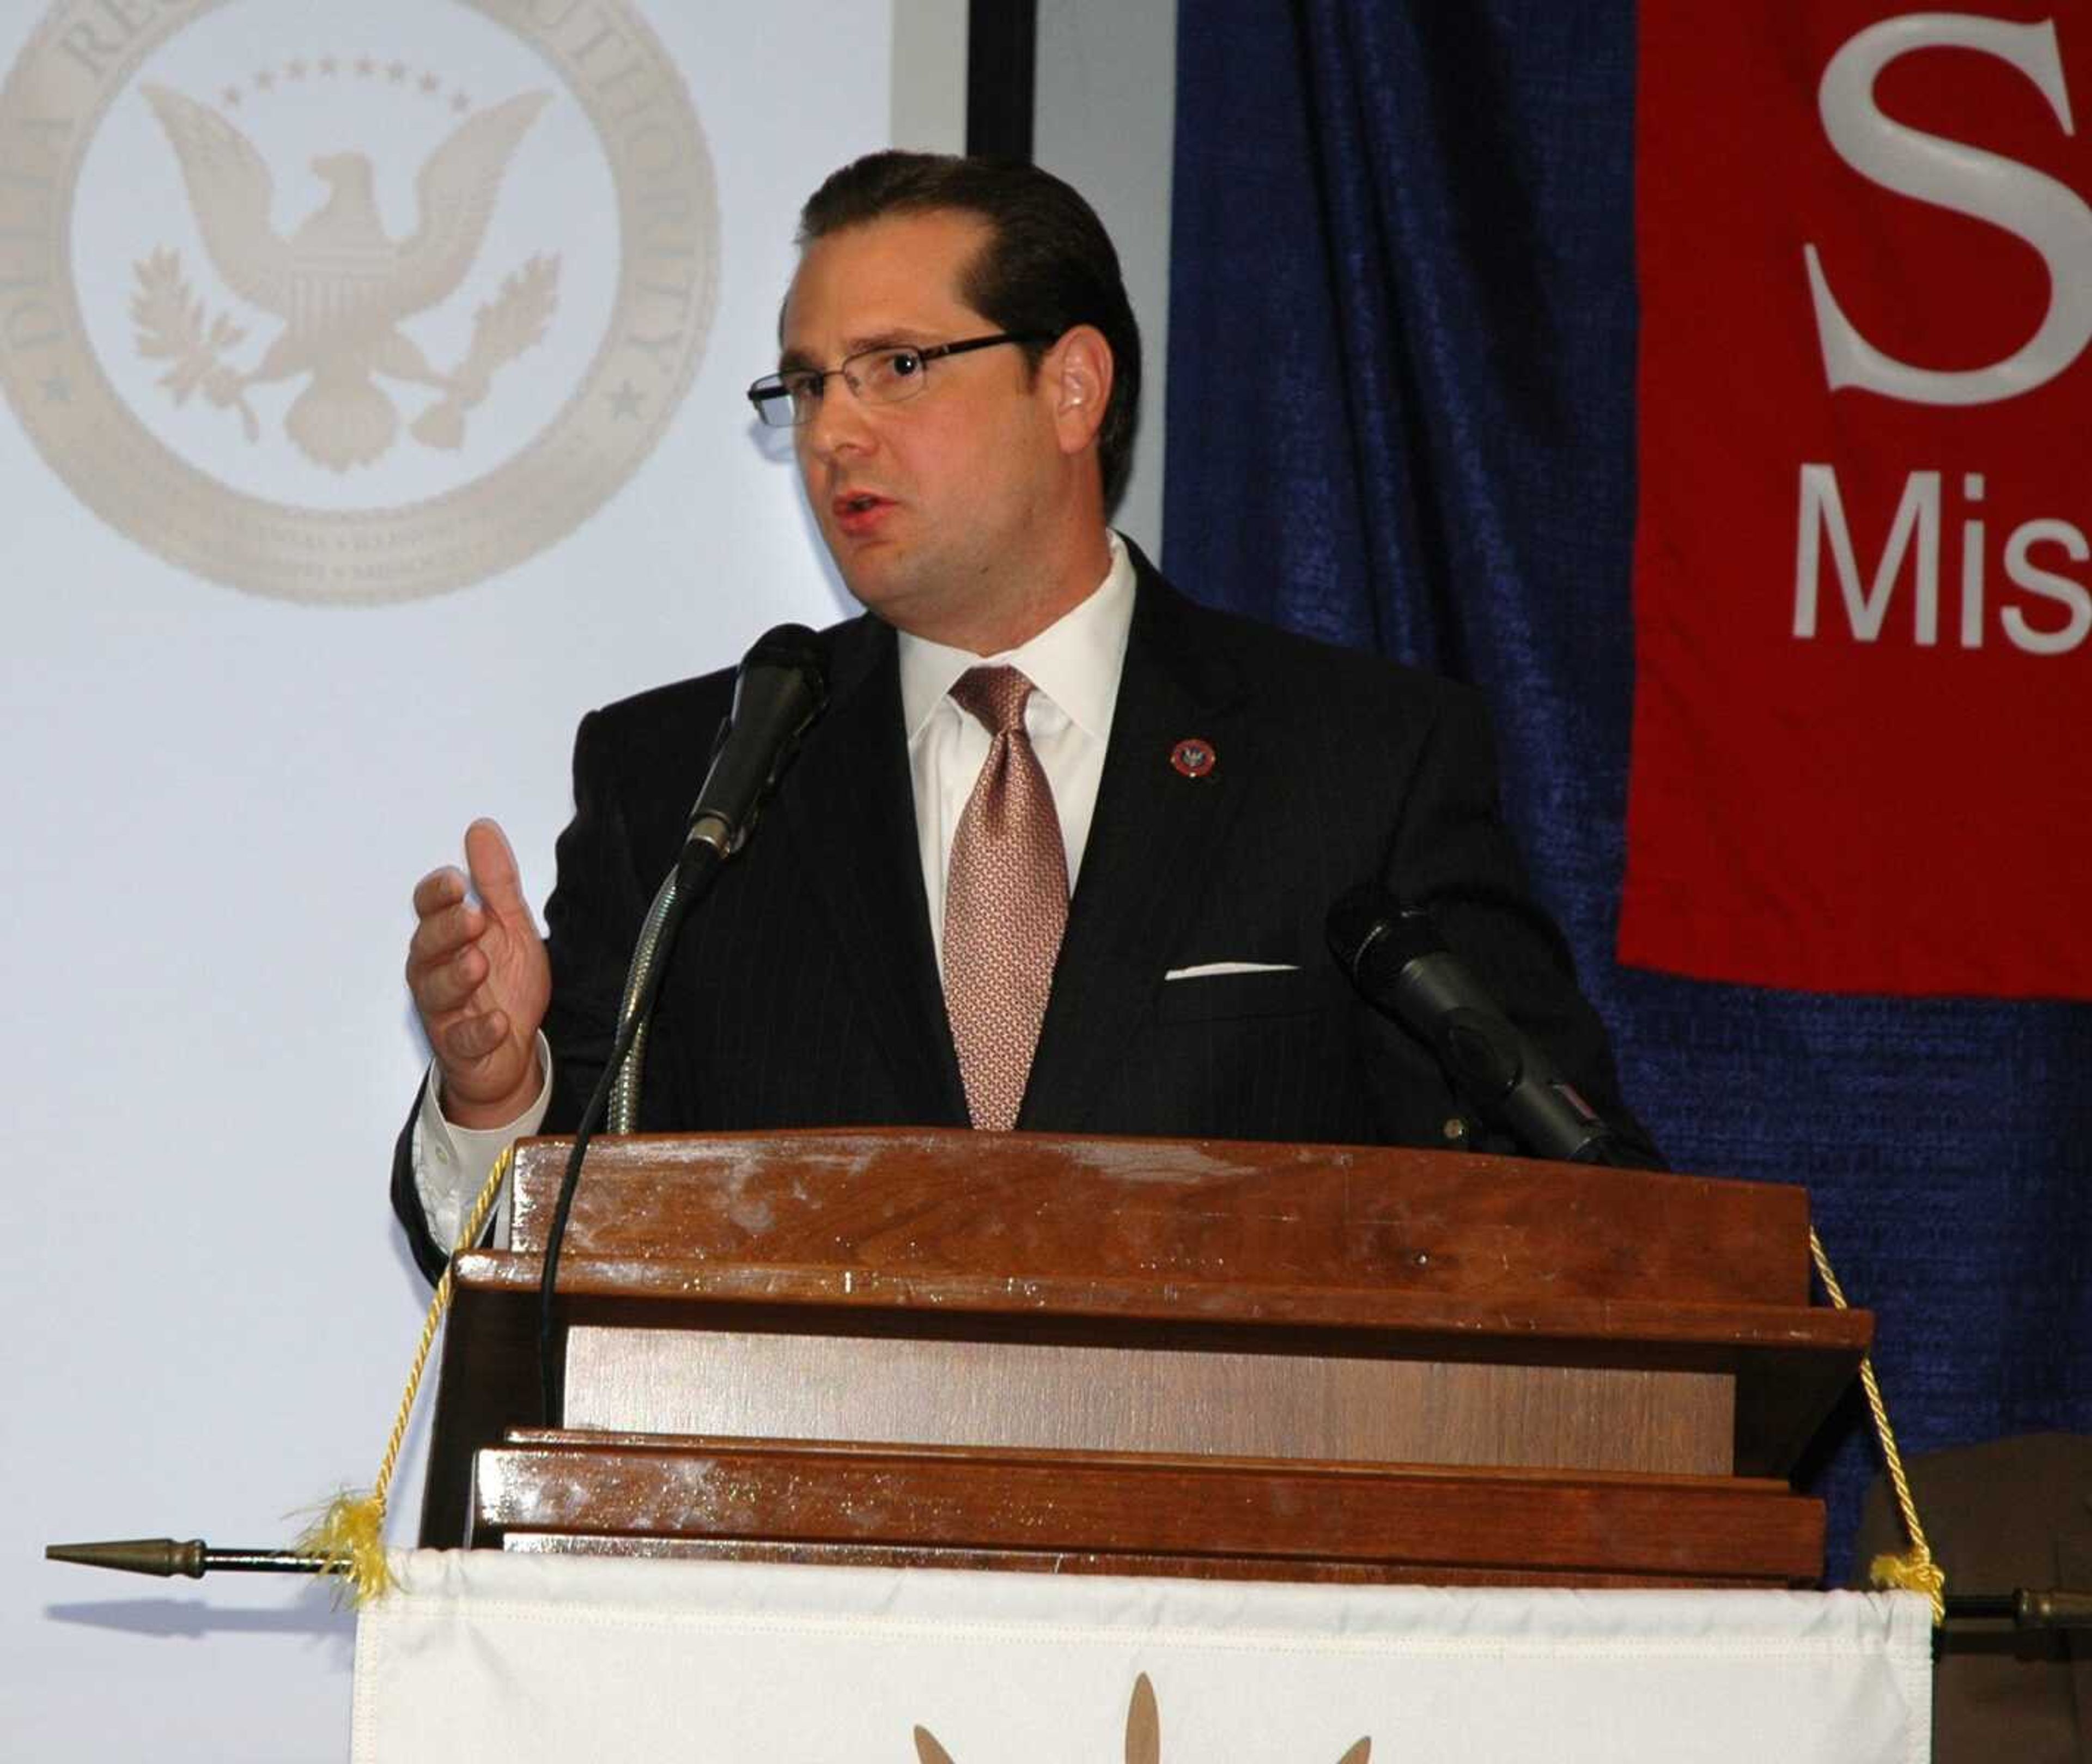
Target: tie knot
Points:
(995, 696)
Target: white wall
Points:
(218, 798)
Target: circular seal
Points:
(336, 324)
(1194, 758)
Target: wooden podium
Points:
(1140, 1357)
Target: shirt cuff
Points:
(451, 1163)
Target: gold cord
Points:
(1914, 1570)
(348, 1537)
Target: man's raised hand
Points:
(480, 981)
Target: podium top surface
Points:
(898, 1208)
(1335, 1252)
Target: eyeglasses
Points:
(887, 376)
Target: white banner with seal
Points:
(520, 1657)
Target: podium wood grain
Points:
(1527, 1349)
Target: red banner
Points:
(1862, 755)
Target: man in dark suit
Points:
(961, 370)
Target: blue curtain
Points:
(1401, 412)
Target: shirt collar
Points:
(1075, 661)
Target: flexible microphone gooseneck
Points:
(1396, 958)
(781, 690)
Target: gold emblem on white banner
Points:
(285, 344)
(1143, 1734)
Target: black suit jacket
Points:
(804, 992)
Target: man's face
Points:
(932, 506)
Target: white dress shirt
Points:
(1074, 664)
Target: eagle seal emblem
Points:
(273, 332)
(338, 285)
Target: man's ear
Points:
(1078, 372)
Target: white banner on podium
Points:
(519, 1658)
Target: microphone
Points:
(1396, 958)
(781, 688)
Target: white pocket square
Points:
(1207, 970)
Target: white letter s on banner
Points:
(2049, 216)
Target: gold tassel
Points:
(348, 1539)
(1913, 1570)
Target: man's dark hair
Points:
(1048, 264)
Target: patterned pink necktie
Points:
(1006, 904)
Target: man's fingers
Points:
(439, 937)
(493, 866)
(477, 969)
(446, 985)
(437, 889)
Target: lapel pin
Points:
(1194, 759)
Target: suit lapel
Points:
(849, 808)
(1153, 842)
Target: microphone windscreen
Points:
(1374, 936)
(788, 646)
